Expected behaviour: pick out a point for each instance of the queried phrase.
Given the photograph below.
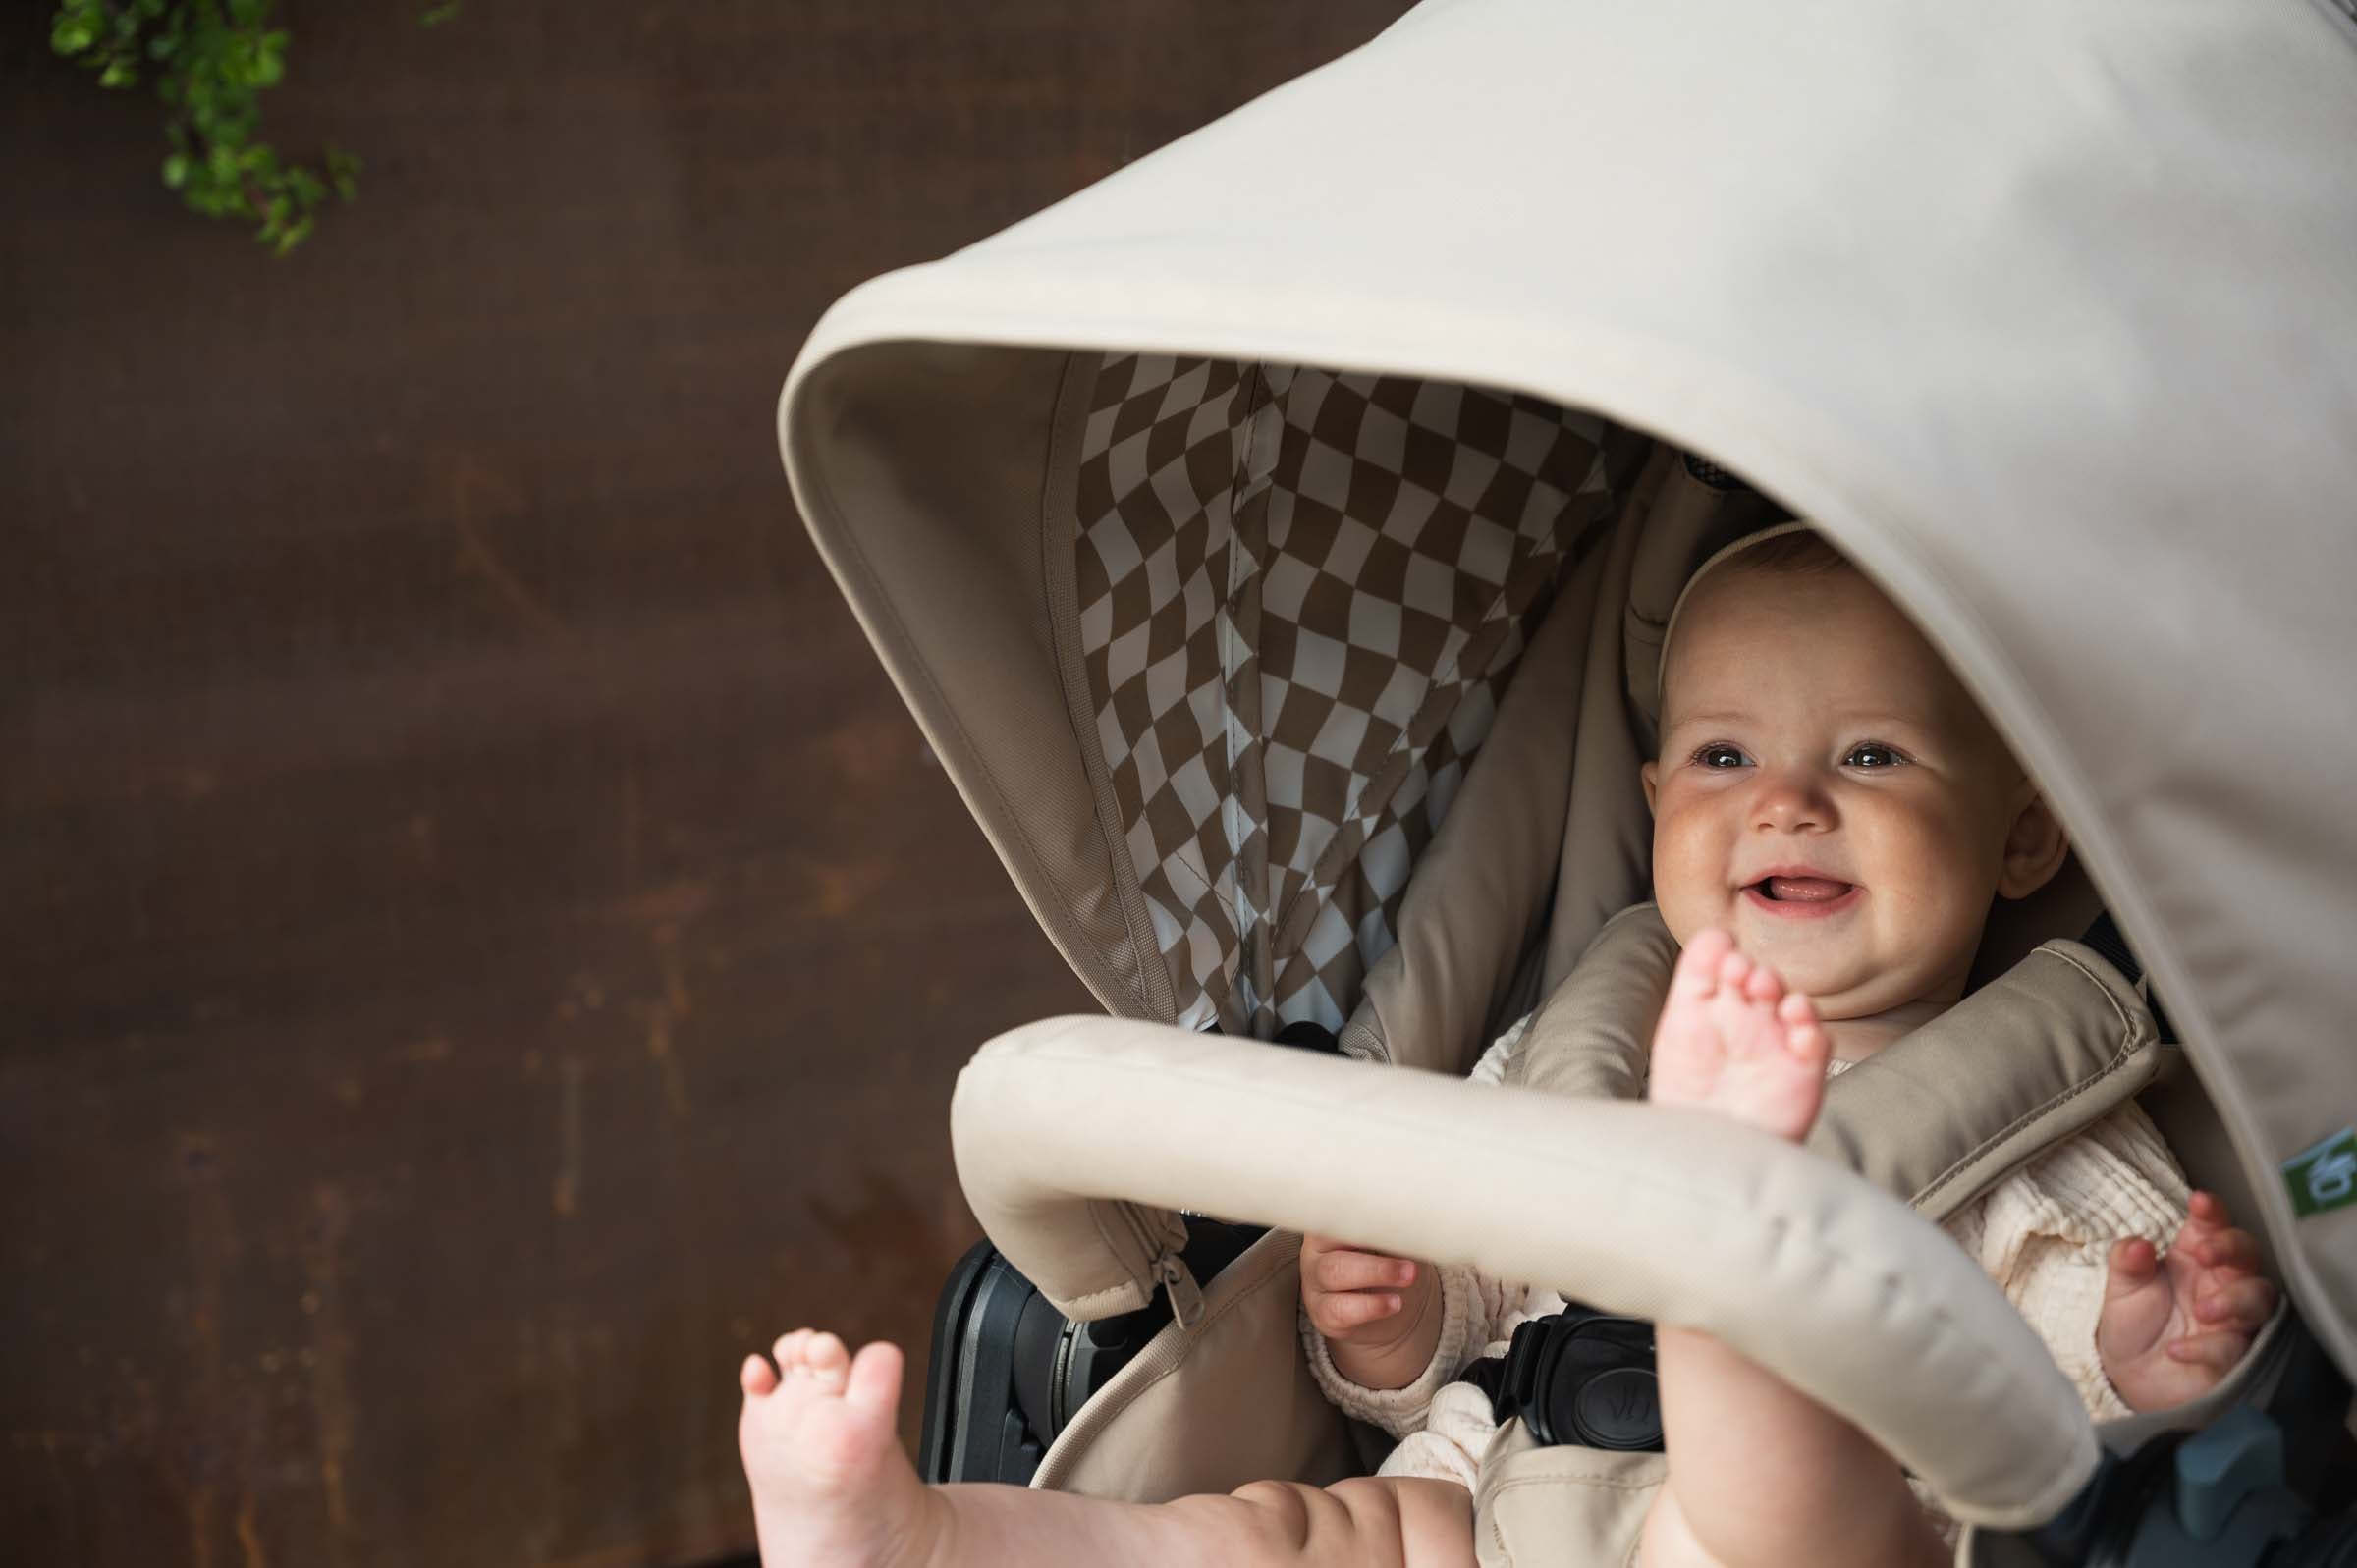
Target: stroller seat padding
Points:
(2036, 1054)
(1830, 1283)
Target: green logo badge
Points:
(2325, 1176)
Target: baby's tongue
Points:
(1805, 889)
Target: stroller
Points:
(1275, 543)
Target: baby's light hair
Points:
(1802, 552)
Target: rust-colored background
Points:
(484, 945)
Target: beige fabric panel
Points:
(945, 448)
(1826, 1282)
(1593, 1035)
(1208, 1406)
(2033, 1057)
(1563, 1506)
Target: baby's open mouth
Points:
(1800, 889)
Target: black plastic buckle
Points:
(1578, 1377)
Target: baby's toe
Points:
(1698, 963)
(756, 1377)
(1808, 1045)
(829, 1362)
(1765, 987)
(788, 1351)
(1734, 970)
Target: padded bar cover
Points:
(1677, 1215)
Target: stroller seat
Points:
(1934, 1124)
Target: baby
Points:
(1833, 820)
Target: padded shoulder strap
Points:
(1593, 1035)
(2052, 1045)
(2055, 1042)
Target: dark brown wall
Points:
(484, 945)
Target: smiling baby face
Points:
(1829, 793)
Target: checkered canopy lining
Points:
(1299, 596)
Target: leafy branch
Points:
(212, 60)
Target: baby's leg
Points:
(833, 1490)
(1759, 1473)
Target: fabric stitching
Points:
(2127, 1048)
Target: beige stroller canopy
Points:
(2046, 314)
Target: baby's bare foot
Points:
(832, 1488)
(1732, 1040)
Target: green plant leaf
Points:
(211, 60)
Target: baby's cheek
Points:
(1937, 931)
(1684, 910)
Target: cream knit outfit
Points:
(2043, 1233)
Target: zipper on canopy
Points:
(1244, 808)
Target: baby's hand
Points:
(1373, 1311)
(2169, 1331)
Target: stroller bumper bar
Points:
(1643, 1211)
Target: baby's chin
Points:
(1840, 985)
(1845, 992)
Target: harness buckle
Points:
(1578, 1375)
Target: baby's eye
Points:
(1716, 755)
(1872, 754)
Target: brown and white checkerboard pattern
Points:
(1300, 595)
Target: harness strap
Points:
(2106, 939)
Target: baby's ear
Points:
(2034, 849)
(1646, 777)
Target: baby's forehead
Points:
(1758, 634)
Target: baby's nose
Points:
(1792, 802)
